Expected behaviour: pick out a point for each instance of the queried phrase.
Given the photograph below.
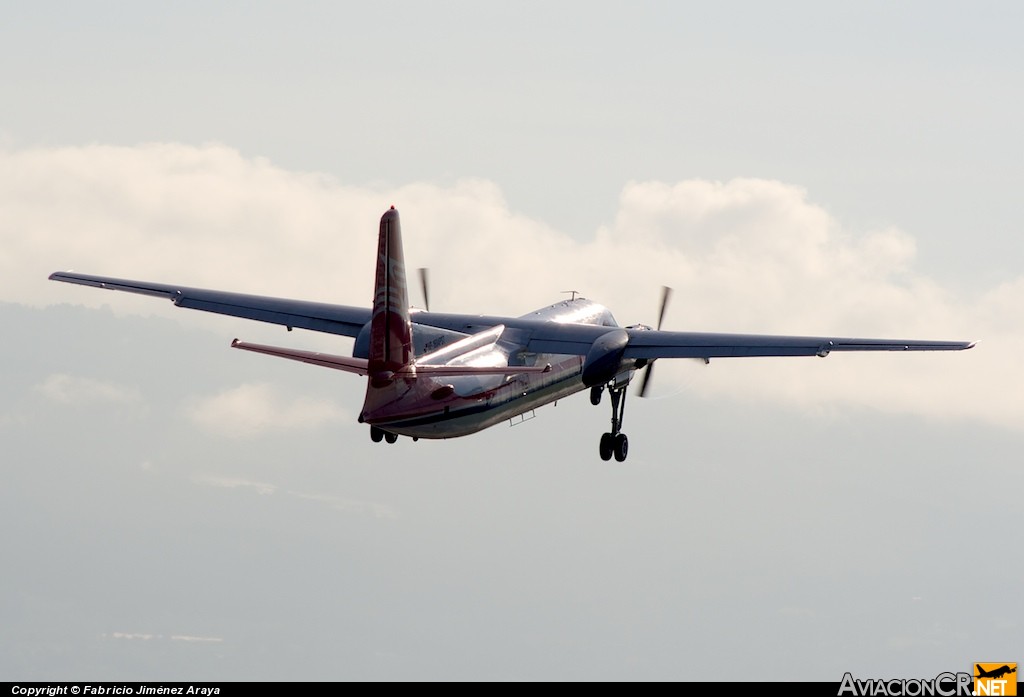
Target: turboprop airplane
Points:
(439, 375)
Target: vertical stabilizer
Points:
(390, 327)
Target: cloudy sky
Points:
(177, 510)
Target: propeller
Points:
(423, 285)
(666, 293)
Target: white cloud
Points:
(254, 409)
(137, 636)
(197, 639)
(337, 503)
(377, 510)
(132, 636)
(261, 488)
(71, 390)
(747, 255)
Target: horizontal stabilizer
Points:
(456, 370)
(346, 363)
(359, 366)
(437, 362)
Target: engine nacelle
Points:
(604, 359)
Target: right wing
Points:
(578, 339)
(652, 344)
(318, 317)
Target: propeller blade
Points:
(666, 293)
(423, 285)
(645, 380)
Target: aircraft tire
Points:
(376, 435)
(390, 437)
(595, 394)
(621, 446)
(607, 446)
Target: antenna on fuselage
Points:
(573, 292)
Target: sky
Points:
(175, 510)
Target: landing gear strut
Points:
(615, 443)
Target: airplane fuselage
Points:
(425, 407)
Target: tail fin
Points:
(390, 327)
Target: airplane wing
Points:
(320, 317)
(578, 340)
(539, 336)
(652, 344)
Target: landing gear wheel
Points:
(390, 437)
(621, 446)
(607, 446)
(376, 435)
(595, 394)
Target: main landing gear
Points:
(379, 434)
(613, 443)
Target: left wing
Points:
(319, 317)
